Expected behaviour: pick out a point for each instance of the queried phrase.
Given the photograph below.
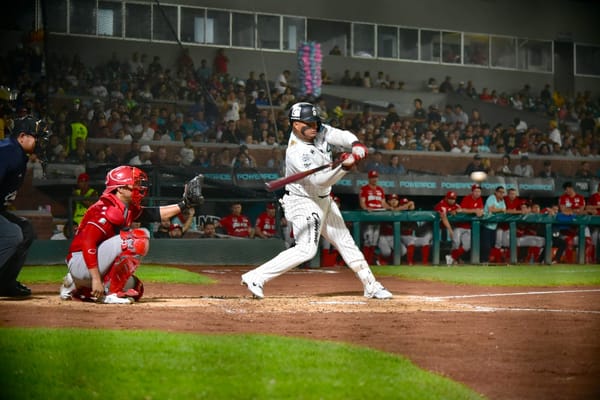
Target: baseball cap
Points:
(83, 177)
(270, 206)
(475, 186)
(451, 195)
(146, 149)
(393, 196)
(175, 226)
(403, 201)
(373, 174)
(477, 157)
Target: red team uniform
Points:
(574, 202)
(267, 224)
(373, 197)
(238, 226)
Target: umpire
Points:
(16, 233)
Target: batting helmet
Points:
(126, 175)
(305, 112)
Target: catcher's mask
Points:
(128, 176)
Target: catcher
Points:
(106, 251)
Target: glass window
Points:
(504, 52)
(192, 25)
(364, 40)
(534, 55)
(137, 21)
(82, 16)
(242, 28)
(268, 32)
(110, 18)
(387, 41)
(409, 44)
(476, 49)
(587, 60)
(217, 27)
(165, 23)
(294, 32)
(57, 15)
(430, 45)
(451, 47)
(329, 34)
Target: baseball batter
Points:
(106, 251)
(308, 205)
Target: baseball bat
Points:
(281, 182)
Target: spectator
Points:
(524, 169)
(461, 238)
(446, 86)
(236, 224)
(371, 198)
(504, 169)
(266, 226)
(366, 80)
(584, 171)
(281, 83)
(203, 72)
(187, 152)
(143, 158)
(547, 171)
(376, 163)
(335, 51)
(83, 189)
(220, 62)
(231, 134)
(475, 165)
(555, 135)
(394, 167)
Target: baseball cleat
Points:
(254, 287)
(449, 260)
(67, 288)
(377, 291)
(114, 299)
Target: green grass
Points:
(147, 273)
(102, 364)
(555, 275)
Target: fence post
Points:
(397, 252)
(512, 226)
(475, 241)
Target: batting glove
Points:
(348, 161)
(359, 151)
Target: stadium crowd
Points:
(140, 100)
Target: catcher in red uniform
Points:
(106, 251)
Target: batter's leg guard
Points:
(372, 288)
(425, 254)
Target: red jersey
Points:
(594, 200)
(374, 196)
(266, 224)
(236, 225)
(468, 202)
(103, 220)
(575, 202)
(443, 207)
(514, 204)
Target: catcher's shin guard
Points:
(135, 244)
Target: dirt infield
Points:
(506, 343)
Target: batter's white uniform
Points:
(312, 212)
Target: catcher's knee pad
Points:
(135, 241)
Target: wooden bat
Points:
(281, 182)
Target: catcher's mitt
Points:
(192, 193)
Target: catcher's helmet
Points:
(126, 175)
(305, 112)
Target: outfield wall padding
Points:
(176, 251)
